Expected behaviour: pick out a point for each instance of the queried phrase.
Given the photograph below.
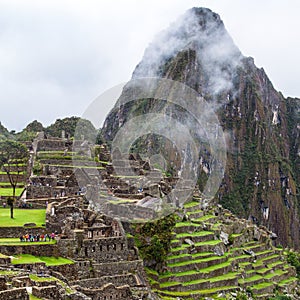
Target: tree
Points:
(13, 161)
(154, 240)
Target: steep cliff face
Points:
(261, 179)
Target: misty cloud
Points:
(200, 30)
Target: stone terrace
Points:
(214, 253)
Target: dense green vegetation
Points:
(4, 133)
(32, 297)
(9, 191)
(73, 127)
(280, 297)
(294, 260)
(154, 240)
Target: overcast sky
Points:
(56, 57)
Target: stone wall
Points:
(122, 267)
(39, 192)
(67, 164)
(51, 145)
(105, 249)
(14, 294)
(38, 267)
(50, 191)
(109, 292)
(117, 280)
(19, 178)
(128, 211)
(17, 231)
(3, 285)
(37, 250)
(43, 180)
(5, 260)
(70, 271)
(84, 269)
(21, 281)
(100, 250)
(47, 292)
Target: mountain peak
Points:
(203, 32)
(205, 17)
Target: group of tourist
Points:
(37, 238)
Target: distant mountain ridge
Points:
(68, 127)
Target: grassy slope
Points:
(50, 261)
(16, 242)
(22, 216)
(9, 191)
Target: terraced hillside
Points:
(214, 253)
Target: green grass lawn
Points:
(9, 191)
(16, 242)
(9, 273)
(31, 297)
(77, 166)
(41, 279)
(13, 173)
(50, 261)
(22, 216)
(190, 204)
(8, 183)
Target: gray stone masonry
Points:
(14, 294)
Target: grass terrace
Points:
(181, 224)
(195, 271)
(127, 176)
(15, 164)
(191, 204)
(49, 261)
(9, 273)
(78, 166)
(17, 242)
(193, 234)
(22, 216)
(204, 218)
(122, 201)
(64, 157)
(198, 292)
(13, 173)
(8, 184)
(55, 152)
(7, 192)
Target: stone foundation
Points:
(109, 292)
(47, 292)
(16, 232)
(14, 294)
(36, 250)
(117, 280)
(70, 272)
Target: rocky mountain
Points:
(261, 126)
